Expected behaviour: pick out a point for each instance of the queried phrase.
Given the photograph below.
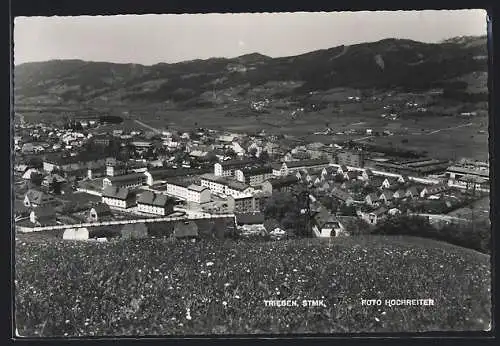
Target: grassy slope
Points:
(128, 288)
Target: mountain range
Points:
(387, 64)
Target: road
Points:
(147, 126)
(449, 128)
(362, 138)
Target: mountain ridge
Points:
(384, 64)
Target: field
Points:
(134, 288)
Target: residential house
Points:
(390, 183)
(342, 169)
(434, 190)
(342, 196)
(351, 175)
(288, 167)
(282, 184)
(225, 185)
(98, 211)
(351, 158)
(153, 203)
(53, 182)
(413, 192)
(198, 194)
(367, 174)
(399, 194)
(372, 199)
(36, 198)
(120, 197)
(127, 180)
(328, 172)
(250, 221)
(326, 225)
(386, 197)
(43, 216)
(372, 217)
(228, 168)
(245, 204)
(254, 175)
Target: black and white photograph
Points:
(251, 174)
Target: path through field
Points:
(449, 128)
(147, 126)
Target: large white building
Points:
(188, 191)
(228, 168)
(153, 203)
(225, 185)
(119, 197)
(254, 175)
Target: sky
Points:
(150, 39)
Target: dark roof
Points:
(413, 189)
(387, 195)
(44, 212)
(237, 163)
(38, 197)
(185, 229)
(249, 171)
(380, 211)
(126, 177)
(342, 195)
(437, 188)
(249, 218)
(284, 181)
(155, 199)
(117, 192)
(306, 163)
(343, 168)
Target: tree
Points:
(346, 210)
(264, 156)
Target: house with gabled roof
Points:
(367, 174)
(155, 203)
(386, 197)
(434, 189)
(399, 194)
(342, 196)
(43, 216)
(98, 211)
(372, 199)
(329, 171)
(342, 169)
(36, 198)
(351, 175)
(373, 216)
(389, 183)
(120, 197)
(413, 192)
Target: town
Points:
(93, 183)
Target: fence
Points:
(122, 222)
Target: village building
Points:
(127, 181)
(79, 234)
(153, 203)
(373, 217)
(254, 175)
(99, 211)
(386, 197)
(119, 197)
(434, 190)
(285, 168)
(228, 168)
(351, 158)
(225, 185)
(372, 199)
(250, 221)
(342, 196)
(36, 198)
(43, 216)
(283, 184)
